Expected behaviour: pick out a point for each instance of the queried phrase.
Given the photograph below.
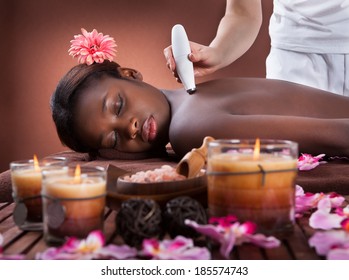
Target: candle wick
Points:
(263, 174)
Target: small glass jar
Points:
(253, 183)
(26, 177)
(73, 205)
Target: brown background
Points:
(36, 35)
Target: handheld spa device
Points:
(181, 50)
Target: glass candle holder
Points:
(73, 205)
(254, 184)
(26, 180)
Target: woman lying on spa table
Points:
(105, 106)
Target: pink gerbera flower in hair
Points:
(90, 47)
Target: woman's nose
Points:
(133, 128)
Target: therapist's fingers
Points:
(194, 57)
(169, 58)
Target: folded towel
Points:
(330, 177)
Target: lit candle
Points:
(73, 203)
(253, 185)
(26, 185)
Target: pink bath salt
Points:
(163, 174)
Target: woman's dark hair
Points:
(63, 100)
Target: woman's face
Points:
(122, 114)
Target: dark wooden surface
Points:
(293, 247)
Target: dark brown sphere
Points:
(177, 211)
(139, 219)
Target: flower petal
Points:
(180, 248)
(323, 219)
(207, 230)
(338, 254)
(308, 162)
(12, 257)
(230, 234)
(227, 242)
(121, 252)
(87, 249)
(324, 241)
(263, 241)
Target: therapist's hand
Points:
(206, 60)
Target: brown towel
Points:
(329, 177)
(129, 164)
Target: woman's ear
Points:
(130, 73)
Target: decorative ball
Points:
(177, 211)
(139, 219)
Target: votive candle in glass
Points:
(73, 203)
(26, 181)
(253, 180)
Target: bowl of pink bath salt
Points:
(162, 180)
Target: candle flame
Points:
(36, 163)
(256, 151)
(77, 174)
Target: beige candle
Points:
(73, 205)
(82, 191)
(259, 189)
(26, 186)
(27, 183)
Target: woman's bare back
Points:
(253, 107)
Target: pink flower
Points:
(339, 253)
(308, 162)
(324, 219)
(180, 248)
(308, 201)
(90, 47)
(333, 244)
(89, 248)
(228, 233)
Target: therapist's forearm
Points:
(237, 30)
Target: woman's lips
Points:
(149, 129)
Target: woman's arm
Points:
(314, 135)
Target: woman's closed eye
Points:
(118, 108)
(119, 105)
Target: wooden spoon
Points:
(192, 163)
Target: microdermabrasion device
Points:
(181, 50)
